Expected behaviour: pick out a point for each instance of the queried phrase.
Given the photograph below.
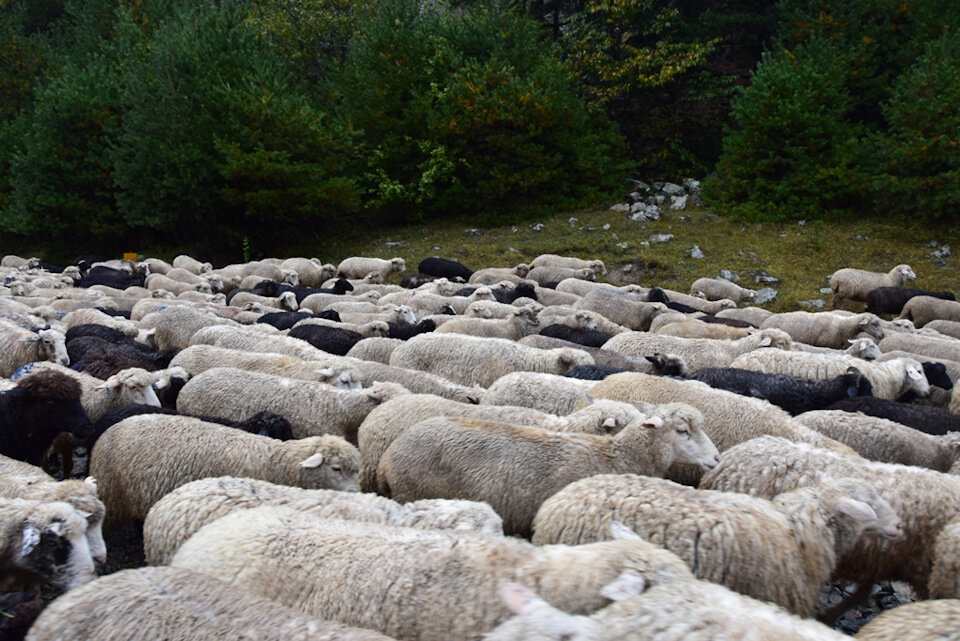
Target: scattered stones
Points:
(660, 238)
(825, 290)
(764, 277)
(572, 221)
(514, 229)
(933, 244)
(641, 213)
(943, 252)
(861, 237)
(624, 207)
(639, 184)
(692, 186)
(623, 245)
(393, 243)
(606, 226)
(513, 250)
(537, 226)
(474, 232)
(726, 274)
(764, 295)
(678, 202)
(816, 304)
(696, 252)
(659, 199)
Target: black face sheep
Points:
(590, 338)
(890, 300)
(42, 405)
(793, 393)
(86, 348)
(515, 468)
(932, 420)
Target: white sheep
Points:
(95, 316)
(191, 264)
(311, 271)
(918, 621)
(890, 379)
(253, 339)
(545, 274)
(548, 393)
(699, 303)
(622, 309)
(571, 262)
(171, 603)
(160, 281)
(312, 408)
(522, 322)
(400, 314)
(389, 420)
(417, 382)
(179, 514)
(879, 439)
(864, 347)
(267, 270)
(693, 328)
(174, 325)
(781, 551)
(824, 329)
(142, 458)
(20, 346)
(317, 302)
(925, 501)
(697, 352)
(923, 309)
(360, 266)
(133, 385)
(375, 348)
(718, 288)
(492, 309)
(753, 315)
(285, 301)
(42, 541)
(948, 348)
(579, 319)
(412, 584)
(471, 360)
(491, 275)
(515, 468)
(855, 284)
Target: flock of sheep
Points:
(518, 453)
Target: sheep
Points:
(159, 281)
(670, 365)
(521, 323)
(24, 481)
(394, 314)
(491, 275)
(926, 346)
(310, 272)
(191, 264)
(717, 289)
(581, 287)
(547, 274)
(358, 267)
(41, 405)
(880, 439)
(629, 312)
(679, 301)
(412, 584)
(174, 325)
(366, 329)
(286, 300)
(585, 337)
(269, 271)
(12, 260)
(549, 393)
(20, 346)
(418, 382)
(179, 514)
(142, 458)
(470, 360)
(554, 260)
(917, 621)
(856, 284)
(392, 418)
(101, 275)
(376, 348)
(286, 320)
(333, 340)
(444, 268)
(95, 316)
(312, 408)
(680, 611)
(781, 551)
(97, 345)
(404, 331)
(172, 603)
(923, 309)
(753, 315)
(864, 347)
(251, 340)
(890, 300)
(43, 542)
(931, 420)
(888, 379)
(794, 394)
(824, 329)
(515, 468)
(697, 352)
(945, 327)
(692, 328)
(925, 501)
(579, 319)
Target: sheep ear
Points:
(628, 584)
(111, 384)
(620, 532)
(314, 461)
(326, 372)
(374, 394)
(609, 424)
(29, 540)
(92, 482)
(914, 374)
(566, 359)
(656, 359)
(161, 383)
(518, 598)
(766, 342)
(589, 398)
(863, 321)
(856, 510)
(653, 422)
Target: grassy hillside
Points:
(800, 255)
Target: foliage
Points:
(792, 152)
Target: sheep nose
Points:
(100, 560)
(712, 462)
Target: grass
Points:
(800, 255)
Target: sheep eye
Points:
(335, 468)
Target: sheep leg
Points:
(859, 595)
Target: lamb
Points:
(546, 274)
(890, 300)
(310, 272)
(931, 420)
(312, 408)
(179, 514)
(142, 458)
(191, 264)
(20, 346)
(386, 422)
(915, 622)
(549, 393)
(569, 262)
(358, 267)
(41, 405)
(172, 603)
(412, 584)
(923, 309)
(888, 379)
(680, 611)
(24, 481)
(856, 284)
(824, 329)
(43, 542)
(629, 312)
(717, 289)
(516, 468)
(924, 499)
(697, 352)
(444, 268)
(880, 439)
(522, 322)
(470, 360)
(781, 551)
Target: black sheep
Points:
(937, 376)
(340, 287)
(412, 281)
(890, 300)
(92, 347)
(588, 337)
(507, 296)
(794, 394)
(403, 331)
(262, 423)
(593, 372)
(283, 320)
(444, 268)
(932, 420)
(116, 278)
(732, 322)
(333, 340)
(41, 406)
